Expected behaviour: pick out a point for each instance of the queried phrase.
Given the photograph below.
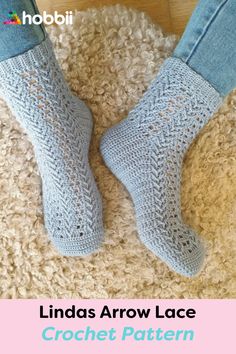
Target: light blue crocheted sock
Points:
(146, 151)
(59, 126)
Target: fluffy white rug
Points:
(109, 57)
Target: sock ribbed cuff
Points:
(29, 60)
(189, 76)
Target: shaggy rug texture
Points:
(109, 57)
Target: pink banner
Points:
(117, 326)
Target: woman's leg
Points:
(208, 45)
(146, 150)
(59, 126)
(15, 39)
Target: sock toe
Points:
(184, 254)
(75, 247)
(192, 266)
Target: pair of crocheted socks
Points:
(59, 126)
(146, 151)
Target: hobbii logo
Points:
(37, 19)
(48, 19)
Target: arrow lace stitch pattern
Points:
(59, 126)
(145, 152)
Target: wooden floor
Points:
(172, 15)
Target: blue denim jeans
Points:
(14, 39)
(208, 44)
